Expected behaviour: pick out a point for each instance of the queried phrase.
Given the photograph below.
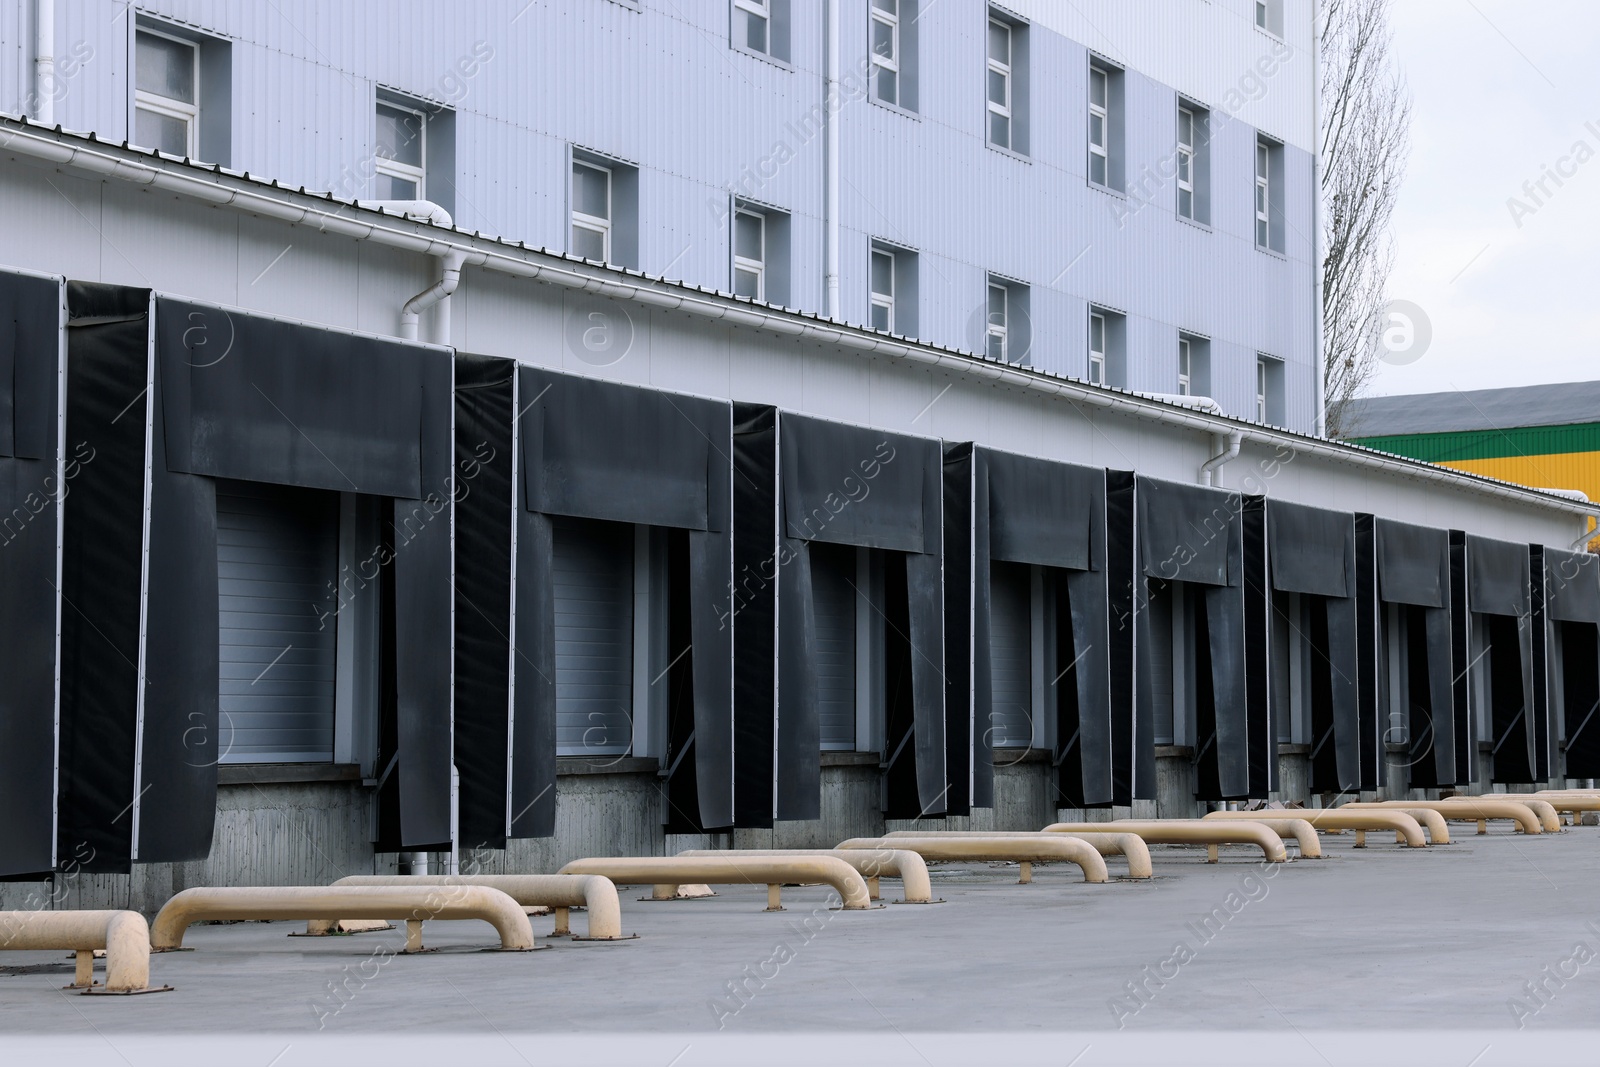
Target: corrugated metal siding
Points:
(277, 565)
(833, 572)
(594, 637)
(1510, 442)
(661, 88)
(1011, 656)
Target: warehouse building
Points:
(758, 545)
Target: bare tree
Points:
(1366, 125)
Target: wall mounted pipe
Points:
(872, 865)
(1023, 850)
(1288, 827)
(438, 293)
(731, 868)
(1343, 818)
(1228, 449)
(342, 218)
(1130, 846)
(1187, 832)
(1469, 809)
(592, 892)
(414, 904)
(44, 62)
(123, 934)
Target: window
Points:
(1107, 339)
(1194, 365)
(1269, 390)
(1185, 162)
(749, 254)
(1099, 124)
(1269, 16)
(166, 97)
(591, 211)
(1263, 195)
(999, 83)
(886, 50)
(1097, 348)
(762, 27)
(883, 264)
(401, 152)
(1269, 189)
(996, 334)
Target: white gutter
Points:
(416, 210)
(832, 106)
(439, 293)
(44, 62)
(1184, 400)
(156, 172)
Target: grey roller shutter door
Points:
(1011, 656)
(277, 564)
(833, 572)
(594, 637)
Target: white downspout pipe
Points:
(832, 104)
(450, 265)
(44, 62)
(1228, 448)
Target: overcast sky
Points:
(1502, 90)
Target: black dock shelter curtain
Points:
(622, 453)
(1412, 569)
(1212, 539)
(31, 491)
(1569, 636)
(800, 480)
(999, 506)
(234, 396)
(1312, 552)
(485, 406)
(1499, 587)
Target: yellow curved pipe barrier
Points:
(414, 905)
(1130, 846)
(1468, 809)
(1571, 802)
(1431, 821)
(561, 893)
(665, 872)
(123, 934)
(1288, 827)
(1404, 826)
(1541, 806)
(899, 863)
(1025, 850)
(1187, 832)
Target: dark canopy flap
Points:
(1572, 586)
(603, 450)
(1413, 564)
(269, 401)
(851, 485)
(1043, 512)
(1497, 576)
(1185, 531)
(1312, 549)
(30, 358)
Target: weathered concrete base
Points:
(1175, 784)
(1294, 774)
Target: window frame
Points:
(761, 9)
(890, 63)
(582, 220)
(1263, 194)
(758, 267)
(167, 106)
(1185, 366)
(1187, 161)
(997, 332)
(392, 168)
(886, 301)
(1097, 356)
(1102, 150)
(1261, 388)
(1006, 70)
